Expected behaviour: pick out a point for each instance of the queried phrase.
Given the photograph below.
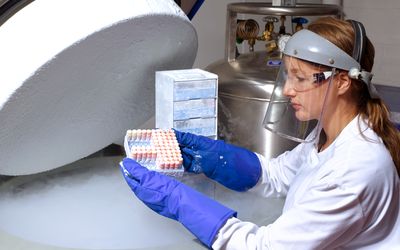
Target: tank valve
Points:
(247, 30)
(299, 21)
(282, 28)
(269, 35)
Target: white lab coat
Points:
(345, 197)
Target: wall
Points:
(210, 26)
(378, 17)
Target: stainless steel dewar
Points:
(246, 81)
(245, 87)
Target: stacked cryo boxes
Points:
(186, 100)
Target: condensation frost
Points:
(88, 205)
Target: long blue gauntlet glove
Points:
(199, 214)
(234, 167)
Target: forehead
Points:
(293, 64)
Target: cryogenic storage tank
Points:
(76, 74)
(246, 81)
(87, 205)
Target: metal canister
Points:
(246, 81)
(244, 90)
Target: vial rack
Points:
(156, 149)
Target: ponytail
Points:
(341, 33)
(379, 117)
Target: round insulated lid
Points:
(77, 74)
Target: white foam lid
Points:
(75, 75)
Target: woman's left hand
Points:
(173, 199)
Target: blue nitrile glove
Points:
(199, 214)
(234, 167)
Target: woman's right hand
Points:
(232, 166)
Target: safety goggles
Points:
(303, 81)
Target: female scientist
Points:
(341, 182)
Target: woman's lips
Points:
(296, 106)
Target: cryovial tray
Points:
(156, 149)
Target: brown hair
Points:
(341, 33)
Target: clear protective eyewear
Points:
(298, 101)
(301, 80)
(304, 83)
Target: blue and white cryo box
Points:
(187, 100)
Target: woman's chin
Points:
(303, 117)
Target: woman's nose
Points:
(288, 89)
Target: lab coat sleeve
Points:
(277, 173)
(325, 218)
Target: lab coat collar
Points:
(353, 129)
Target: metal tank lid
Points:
(305, 9)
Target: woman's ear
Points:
(344, 83)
